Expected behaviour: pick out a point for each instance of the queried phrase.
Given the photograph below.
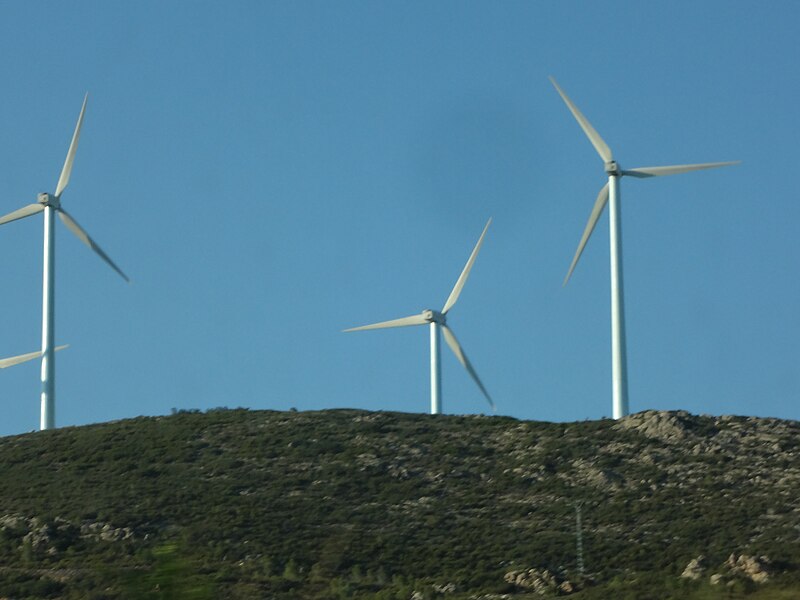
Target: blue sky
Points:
(270, 173)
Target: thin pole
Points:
(579, 538)
(48, 398)
(436, 379)
(619, 362)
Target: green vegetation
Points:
(353, 504)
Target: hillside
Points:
(355, 504)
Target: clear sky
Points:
(270, 173)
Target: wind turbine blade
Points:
(602, 148)
(597, 210)
(15, 360)
(419, 319)
(84, 237)
(643, 172)
(462, 279)
(25, 211)
(63, 180)
(462, 358)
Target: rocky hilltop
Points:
(355, 504)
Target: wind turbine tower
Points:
(610, 194)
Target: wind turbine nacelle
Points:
(613, 168)
(433, 316)
(47, 199)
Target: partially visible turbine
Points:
(51, 204)
(610, 194)
(438, 320)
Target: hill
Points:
(355, 504)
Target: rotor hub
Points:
(48, 200)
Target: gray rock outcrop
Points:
(695, 569)
(540, 581)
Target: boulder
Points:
(755, 568)
(540, 581)
(668, 426)
(694, 570)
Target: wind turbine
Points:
(610, 194)
(51, 204)
(438, 321)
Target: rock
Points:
(13, 523)
(49, 538)
(755, 568)
(694, 570)
(105, 532)
(543, 582)
(667, 426)
(566, 588)
(585, 473)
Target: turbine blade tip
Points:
(567, 278)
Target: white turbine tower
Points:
(51, 204)
(438, 320)
(610, 194)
